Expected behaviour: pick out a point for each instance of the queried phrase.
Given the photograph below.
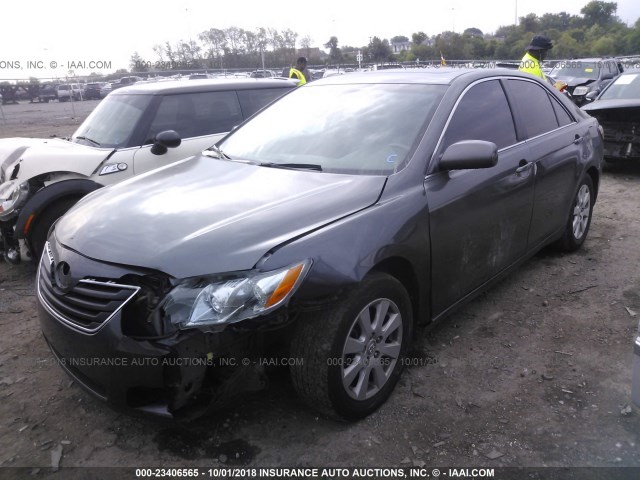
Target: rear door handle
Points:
(577, 140)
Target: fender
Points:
(46, 196)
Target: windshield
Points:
(352, 128)
(113, 121)
(576, 68)
(625, 86)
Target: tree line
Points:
(597, 31)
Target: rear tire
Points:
(37, 236)
(579, 220)
(350, 356)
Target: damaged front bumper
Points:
(179, 377)
(108, 336)
(12, 249)
(621, 128)
(621, 140)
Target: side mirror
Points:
(591, 96)
(165, 140)
(469, 154)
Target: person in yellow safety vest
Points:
(300, 71)
(536, 51)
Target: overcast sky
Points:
(110, 31)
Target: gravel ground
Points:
(535, 372)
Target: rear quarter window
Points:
(562, 115)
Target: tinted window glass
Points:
(196, 114)
(482, 114)
(561, 114)
(534, 107)
(253, 100)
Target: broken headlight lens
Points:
(12, 196)
(579, 91)
(215, 301)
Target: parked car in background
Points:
(325, 238)
(70, 91)
(92, 90)
(386, 66)
(263, 74)
(618, 111)
(200, 76)
(332, 72)
(135, 129)
(105, 90)
(48, 92)
(586, 76)
(125, 82)
(316, 73)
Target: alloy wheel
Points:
(372, 349)
(581, 212)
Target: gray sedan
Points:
(324, 229)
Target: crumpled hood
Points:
(575, 81)
(40, 155)
(203, 216)
(613, 103)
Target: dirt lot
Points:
(535, 372)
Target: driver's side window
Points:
(482, 114)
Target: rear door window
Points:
(535, 111)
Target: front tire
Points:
(350, 356)
(579, 220)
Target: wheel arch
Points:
(46, 196)
(401, 269)
(595, 178)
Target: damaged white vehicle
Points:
(134, 130)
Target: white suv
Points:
(70, 91)
(133, 130)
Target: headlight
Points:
(215, 301)
(580, 90)
(12, 196)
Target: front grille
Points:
(88, 305)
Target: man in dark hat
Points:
(536, 51)
(300, 71)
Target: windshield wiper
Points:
(299, 166)
(218, 153)
(81, 137)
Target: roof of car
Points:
(590, 59)
(203, 85)
(431, 75)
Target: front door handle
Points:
(524, 165)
